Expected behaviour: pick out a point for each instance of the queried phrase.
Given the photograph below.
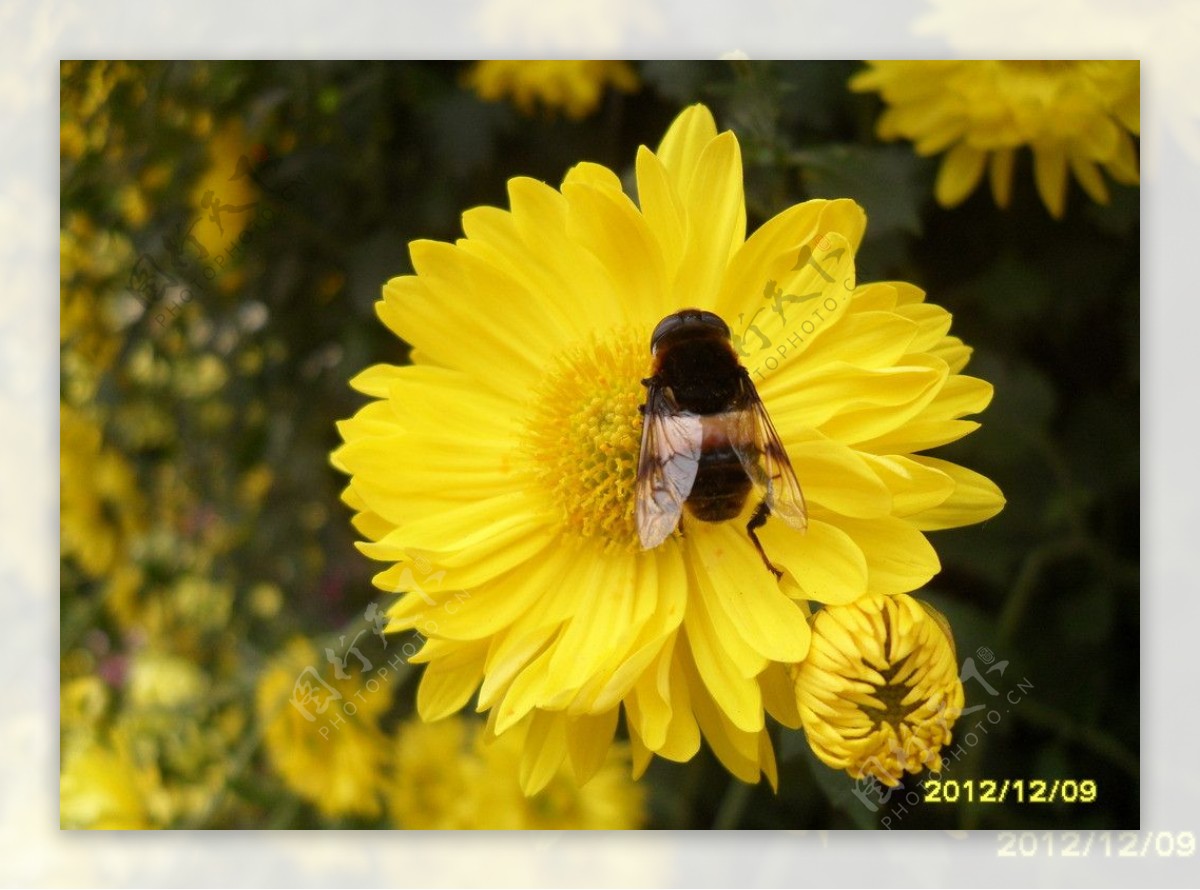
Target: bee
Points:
(707, 441)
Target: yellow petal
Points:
(938, 423)
(589, 740)
(915, 486)
(448, 683)
(476, 611)
(682, 739)
(975, 498)
(767, 256)
(548, 599)
(846, 219)
(920, 434)
(649, 703)
(508, 656)
(959, 174)
(609, 225)
(544, 750)
(1124, 166)
(531, 685)
(1050, 174)
(874, 296)
(398, 497)
(494, 236)
(1089, 177)
(640, 755)
(766, 760)
(785, 316)
(715, 649)
(662, 207)
(953, 352)
(716, 221)
(596, 175)
(600, 625)
(659, 710)
(747, 595)
(853, 405)
(825, 561)
(452, 301)
(535, 684)
(868, 340)
(1001, 174)
(661, 584)
(907, 294)
(932, 324)
(373, 419)
(738, 749)
(779, 695)
(686, 138)
(565, 277)
(377, 380)
(370, 525)
(490, 524)
(838, 478)
(899, 558)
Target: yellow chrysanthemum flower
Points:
(94, 266)
(447, 775)
(1076, 114)
(82, 702)
(322, 734)
(101, 508)
(497, 472)
(879, 691)
(102, 788)
(574, 85)
(225, 202)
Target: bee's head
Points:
(686, 324)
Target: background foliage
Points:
(201, 524)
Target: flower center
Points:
(583, 434)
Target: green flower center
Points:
(583, 435)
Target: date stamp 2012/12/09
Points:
(1106, 844)
(1009, 790)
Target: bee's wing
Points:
(765, 461)
(667, 466)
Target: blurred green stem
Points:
(1065, 727)
(1027, 578)
(732, 805)
(238, 763)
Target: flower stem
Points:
(729, 814)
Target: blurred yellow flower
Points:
(100, 506)
(82, 703)
(163, 680)
(102, 788)
(85, 99)
(321, 733)
(1076, 114)
(225, 201)
(496, 473)
(575, 86)
(94, 268)
(133, 204)
(446, 775)
(879, 691)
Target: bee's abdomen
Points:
(721, 486)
